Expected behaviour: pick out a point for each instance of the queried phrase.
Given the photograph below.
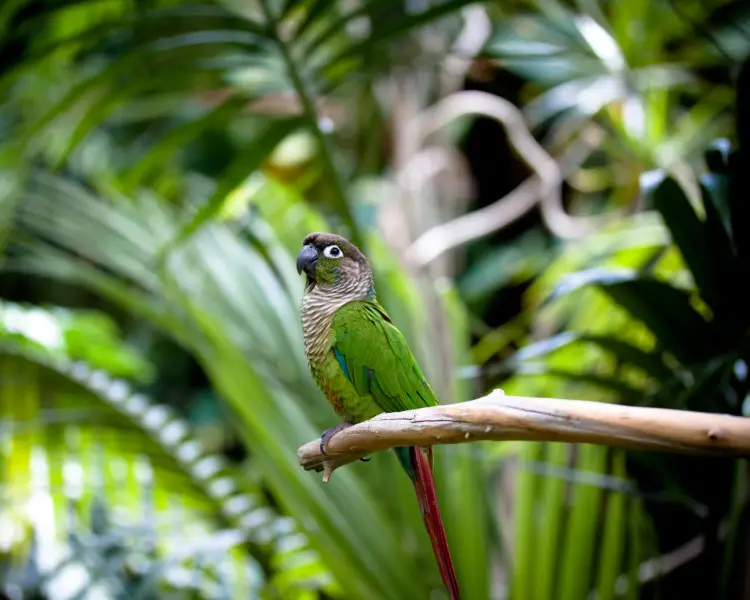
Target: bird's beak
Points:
(306, 260)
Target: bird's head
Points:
(333, 262)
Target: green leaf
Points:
(691, 236)
(220, 299)
(527, 485)
(715, 188)
(637, 551)
(721, 246)
(386, 31)
(622, 391)
(412, 22)
(551, 523)
(498, 267)
(545, 347)
(313, 10)
(578, 545)
(650, 362)
(10, 193)
(178, 138)
(102, 426)
(707, 391)
(611, 557)
(241, 168)
(106, 81)
(598, 275)
(666, 310)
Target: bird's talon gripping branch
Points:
(329, 433)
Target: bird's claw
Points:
(325, 438)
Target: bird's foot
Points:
(329, 433)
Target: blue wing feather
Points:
(342, 362)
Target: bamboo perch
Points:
(501, 417)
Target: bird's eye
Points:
(332, 252)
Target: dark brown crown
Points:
(322, 239)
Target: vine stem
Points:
(327, 153)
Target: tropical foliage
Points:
(160, 163)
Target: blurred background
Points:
(553, 195)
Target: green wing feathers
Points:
(374, 356)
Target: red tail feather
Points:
(425, 488)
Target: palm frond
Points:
(219, 297)
(88, 442)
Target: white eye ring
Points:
(332, 252)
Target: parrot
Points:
(363, 365)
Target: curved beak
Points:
(306, 260)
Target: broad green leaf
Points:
(621, 390)
(666, 310)
(596, 276)
(610, 561)
(577, 557)
(413, 21)
(515, 262)
(715, 188)
(177, 138)
(693, 238)
(222, 301)
(544, 347)
(10, 192)
(525, 526)
(313, 10)
(707, 391)
(651, 362)
(244, 165)
(551, 524)
(122, 428)
(637, 519)
(722, 251)
(104, 82)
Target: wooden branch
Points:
(501, 417)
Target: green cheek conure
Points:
(363, 365)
